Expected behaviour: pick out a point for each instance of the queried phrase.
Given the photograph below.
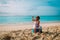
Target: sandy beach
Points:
(23, 26)
(22, 31)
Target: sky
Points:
(29, 7)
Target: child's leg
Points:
(38, 32)
(34, 30)
(40, 29)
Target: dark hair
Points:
(38, 17)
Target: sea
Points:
(22, 19)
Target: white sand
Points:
(22, 26)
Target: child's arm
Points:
(33, 18)
(39, 23)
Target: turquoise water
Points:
(18, 19)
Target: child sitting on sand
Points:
(36, 26)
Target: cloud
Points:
(44, 10)
(14, 8)
(28, 7)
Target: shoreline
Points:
(23, 26)
(30, 22)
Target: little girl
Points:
(36, 25)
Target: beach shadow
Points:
(7, 38)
